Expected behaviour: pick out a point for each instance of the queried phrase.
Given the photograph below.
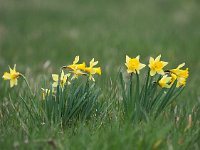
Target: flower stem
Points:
(27, 84)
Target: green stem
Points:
(27, 84)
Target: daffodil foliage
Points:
(144, 100)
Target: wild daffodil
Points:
(181, 73)
(75, 65)
(156, 66)
(63, 79)
(75, 68)
(165, 81)
(12, 76)
(91, 70)
(133, 64)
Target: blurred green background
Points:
(42, 35)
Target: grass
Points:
(41, 36)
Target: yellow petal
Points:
(164, 63)
(55, 84)
(161, 72)
(127, 59)
(141, 66)
(181, 65)
(158, 58)
(13, 82)
(55, 77)
(76, 60)
(129, 71)
(93, 63)
(152, 72)
(65, 78)
(138, 57)
(62, 75)
(6, 76)
(151, 60)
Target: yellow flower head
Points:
(181, 75)
(63, 79)
(76, 69)
(156, 66)
(75, 65)
(180, 81)
(46, 92)
(133, 64)
(165, 82)
(12, 76)
(91, 70)
(180, 72)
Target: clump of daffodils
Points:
(156, 67)
(146, 98)
(159, 88)
(72, 72)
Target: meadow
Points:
(41, 36)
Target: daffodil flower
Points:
(156, 66)
(180, 72)
(133, 64)
(76, 69)
(75, 65)
(91, 70)
(12, 76)
(63, 79)
(165, 81)
(46, 92)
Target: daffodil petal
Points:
(55, 84)
(161, 72)
(181, 65)
(152, 72)
(151, 60)
(164, 63)
(138, 57)
(158, 58)
(55, 77)
(76, 60)
(12, 83)
(6, 76)
(127, 58)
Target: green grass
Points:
(37, 32)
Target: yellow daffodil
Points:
(75, 65)
(133, 64)
(181, 75)
(12, 76)
(76, 69)
(156, 66)
(63, 79)
(46, 92)
(180, 72)
(91, 70)
(165, 82)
